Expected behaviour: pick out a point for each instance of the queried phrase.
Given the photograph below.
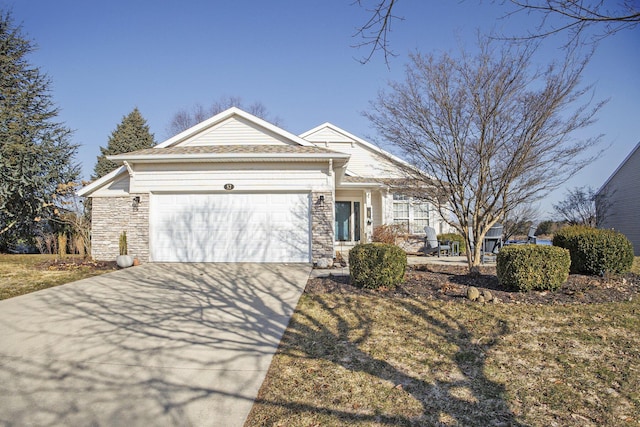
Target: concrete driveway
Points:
(158, 344)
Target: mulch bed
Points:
(450, 283)
(73, 263)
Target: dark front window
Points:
(343, 221)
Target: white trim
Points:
(226, 114)
(360, 141)
(225, 157)
(128, 166)
(100, 182)
(352, 185)
(352, 223)
(619, 167)
(411, 219)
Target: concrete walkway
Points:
(159, 344)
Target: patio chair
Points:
(432, 244)
(492, 242)
(531, 235)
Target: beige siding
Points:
(387, 208)
(364, 161)
(376, 205)
(349, 195)
(199, 177)
(117, 188)
(327, 135)
(236, 131)
(623, 194)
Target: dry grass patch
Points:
(23, 274)
(380, 361)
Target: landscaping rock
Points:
(324, 263)
(451, 283)
(473, 293)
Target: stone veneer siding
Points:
(110, 216)
(322, 237)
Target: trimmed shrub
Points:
(456, 237)
(532, 267)
(595, 251)
(374, 265)
(563, 236)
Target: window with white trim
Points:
(410, 213)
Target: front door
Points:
(347, 227)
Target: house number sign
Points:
(228, 186)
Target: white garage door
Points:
(230, 227)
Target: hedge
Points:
(595, 251)
(532, 267)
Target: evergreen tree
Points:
(36, 153)
(131, 134)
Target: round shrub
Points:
(565, 235)
(532, 267)
(456, 237)
(375, 265)
(595, 251)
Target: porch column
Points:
(368, 217)
(322, 230)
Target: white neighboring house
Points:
(236, 188)
(621, 195)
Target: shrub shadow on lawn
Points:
(403, 362)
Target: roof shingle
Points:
(231, 149)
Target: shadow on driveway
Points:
(159, 344)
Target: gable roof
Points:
(620, 166)
(337, 134)
(101, 182)
(225, 116)
(171, 150)
(230, 152)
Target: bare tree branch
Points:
(184, 119)
(518, 220)
(375, 32)
(582, 206)
(574, 17)
(490, 132)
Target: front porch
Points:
(360, 207)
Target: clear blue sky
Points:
(295, 56)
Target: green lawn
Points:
(22, 274)
(392, 361)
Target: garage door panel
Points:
(230, 228)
